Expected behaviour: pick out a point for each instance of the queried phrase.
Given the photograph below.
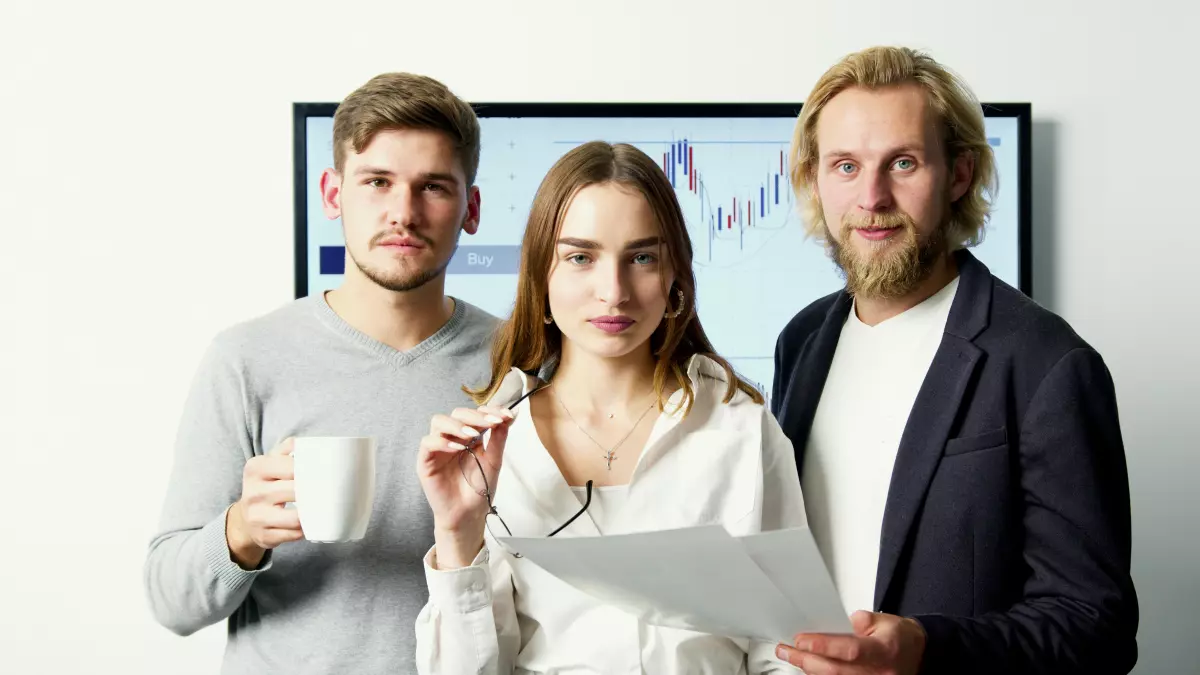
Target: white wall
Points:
(145, 188)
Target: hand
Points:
(882, 644)
(258, 521)
(451, 479)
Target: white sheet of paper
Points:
(791, 560)
(700, 579)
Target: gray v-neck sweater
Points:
(309, 608)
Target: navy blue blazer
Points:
(1006, 531)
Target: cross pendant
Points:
(609, 458)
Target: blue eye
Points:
(644, 258)
(905, 164)
(845, 165)
(577, 259)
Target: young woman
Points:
(630, 408)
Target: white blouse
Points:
(607, 500)
(726, 463)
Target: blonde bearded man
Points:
(959, 446)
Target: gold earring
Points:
(682, 302)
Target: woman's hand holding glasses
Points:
(458, 493)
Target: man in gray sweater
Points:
(378, 356)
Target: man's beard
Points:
(403, 281)
(894, 267)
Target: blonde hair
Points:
(959, 116)
(405, 101)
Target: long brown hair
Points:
(526, 342)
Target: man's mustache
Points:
(400, 233)
(883, 220)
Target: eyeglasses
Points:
(486, 492)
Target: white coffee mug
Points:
(335, 486)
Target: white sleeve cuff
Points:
(460, 591)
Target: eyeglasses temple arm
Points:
(586, 502)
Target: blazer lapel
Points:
(921, 446)
(933, 415)
(807, 379)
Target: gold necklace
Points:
(609, 454)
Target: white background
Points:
(146, 188)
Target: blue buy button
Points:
(466, 260)
(485, 260)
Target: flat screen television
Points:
(754, 266)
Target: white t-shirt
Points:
(872, 384)
(606, 504)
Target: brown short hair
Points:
(405, 101)
(526, 342)
(958, 113)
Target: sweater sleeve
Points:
(191, 581)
